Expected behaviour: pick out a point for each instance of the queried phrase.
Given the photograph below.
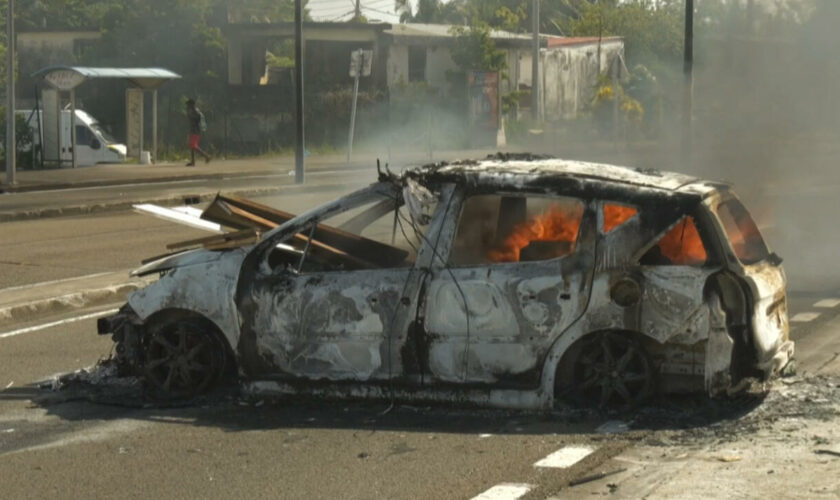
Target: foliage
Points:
(23, 139)
(474, 49)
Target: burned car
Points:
(512, 281)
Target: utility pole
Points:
(358, 12)
(535, 62)
(299, 138)
(11, 150)
(688, 85)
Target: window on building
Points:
(417, 64)
(494, 229)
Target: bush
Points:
(23, 140)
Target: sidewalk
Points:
(29, 302)
(117, 174)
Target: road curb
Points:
(69, 211)
(32, 310)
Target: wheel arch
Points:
(564, 367)
(164, 316)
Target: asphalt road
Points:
(61, 445)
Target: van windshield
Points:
(742, 232)
(109, 139)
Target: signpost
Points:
(11, 147)
(361, 62)
(66, 81)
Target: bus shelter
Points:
(65, 79)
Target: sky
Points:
(341, 10)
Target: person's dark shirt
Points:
(195, 120)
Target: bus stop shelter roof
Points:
(146, 78)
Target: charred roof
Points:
(527, 172)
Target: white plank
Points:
(505, 491)
(180, 216)
(565, 457)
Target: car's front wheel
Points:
(183, 358)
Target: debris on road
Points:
(595, 477)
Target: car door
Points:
(334, 305)
(516, 274)
(674, 271)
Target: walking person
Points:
(197, 126)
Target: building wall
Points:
(397, 65)
(570, 75)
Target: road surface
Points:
(56, 444)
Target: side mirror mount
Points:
(95, 144)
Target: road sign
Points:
(64, 79)
(361, 59)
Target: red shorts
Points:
(194, 138)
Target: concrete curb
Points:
(42, 213)
(29, 311)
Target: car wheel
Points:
(182, 359)
(613, 370)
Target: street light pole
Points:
(299, 139)
(11, 150)
(688, 84)
(535, 62)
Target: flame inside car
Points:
(682, 245)
(551, 233)
(616, 215)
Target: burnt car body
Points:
(510, 282)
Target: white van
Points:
(93, 143)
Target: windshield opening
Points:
(742, 232)
(109, 139)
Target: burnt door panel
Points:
(493, 323)
(332, 325)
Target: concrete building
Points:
(413, 53)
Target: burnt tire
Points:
(612, 370)
(183, 358)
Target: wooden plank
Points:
(210, 240)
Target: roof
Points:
(524, 172)
(444, 32)
(141, 77)
(564, 41)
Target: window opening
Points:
(495, 229)
(742, 232)
(680, 246)
(616, 215)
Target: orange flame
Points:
(557, 224)
(616, 215)
(682, 244)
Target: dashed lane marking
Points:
(805, 317)
(565, 457)
(51, 324)
(505, 491)
(827, 303)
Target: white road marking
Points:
(827, 303)
(505, 491)
(805, 317)
(482, 436)
(565, 457)
(51, 324)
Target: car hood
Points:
(187, 258)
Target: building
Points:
(415, 53)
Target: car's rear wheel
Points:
(183, 358)
(613, 370)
